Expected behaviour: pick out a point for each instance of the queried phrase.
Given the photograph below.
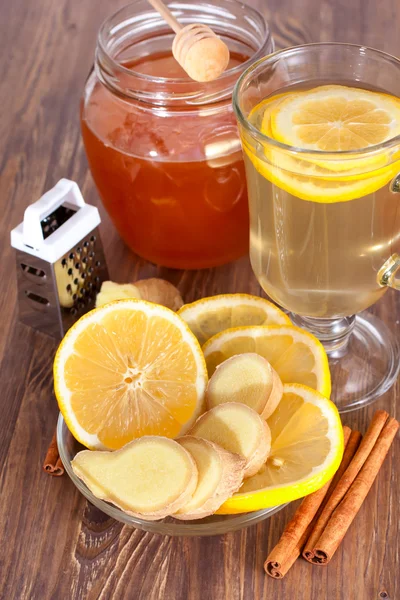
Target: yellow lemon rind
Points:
(295, 184)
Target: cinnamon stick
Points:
(288, 549)
(344, 514)
(59, 468)
(52, 463)
(349, 451)
(347, 478)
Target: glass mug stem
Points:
(334, 334)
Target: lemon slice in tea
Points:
(334, 118)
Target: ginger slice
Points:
(159, 291)
(275, 396)
(220, 475)
(149, 478)
(111, 291)
(153, 290)
(238, 429)
(247, 378)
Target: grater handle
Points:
(65, 191)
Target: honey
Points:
(164, 150)
(173, 184)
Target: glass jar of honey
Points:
(164, 150)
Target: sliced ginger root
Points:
(153, 290)
(220, 474)
(149, 478)
(159, 291)
(111, 291)
(246, 378)
(238, 429)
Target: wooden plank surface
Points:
(54, 545)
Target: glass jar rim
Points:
(181, 88)
(245, 78)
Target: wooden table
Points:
(54, 545)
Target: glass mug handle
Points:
(389, 274)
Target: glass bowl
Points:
(68, 447)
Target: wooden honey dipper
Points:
(199, 51)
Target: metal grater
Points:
(60, 259)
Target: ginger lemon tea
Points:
(322, 225)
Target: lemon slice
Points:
(336, 169)
(296, 355)
(322, 189)
(209, 316)
(334, 118)
(318, 180)
(129, 369)
(306, 450)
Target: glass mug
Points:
(163, 150)
(326, 247)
